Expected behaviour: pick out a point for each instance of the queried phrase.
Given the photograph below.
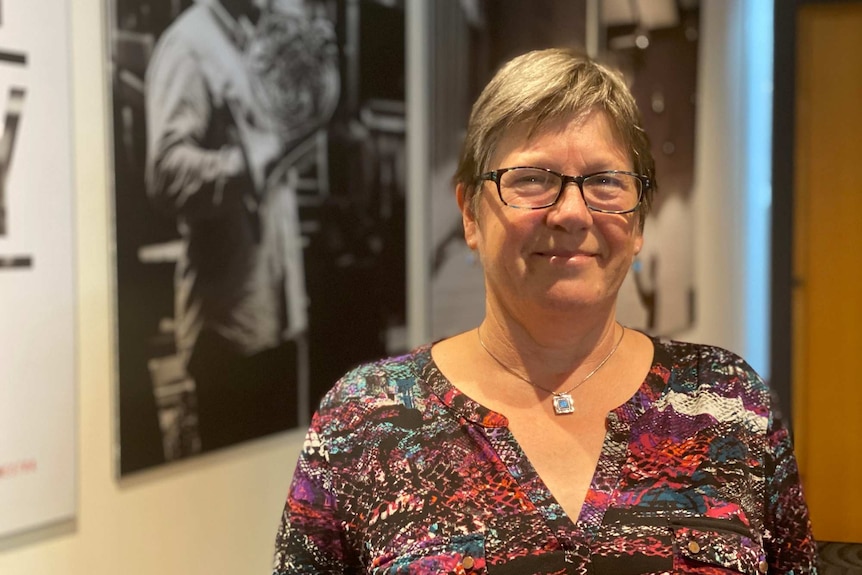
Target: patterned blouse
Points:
(402, 473)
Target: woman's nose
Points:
(570, 209)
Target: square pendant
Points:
(563, 404)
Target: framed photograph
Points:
(259, 203)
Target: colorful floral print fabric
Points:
(401, 473)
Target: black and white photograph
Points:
(259, 202)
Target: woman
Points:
(550, 439)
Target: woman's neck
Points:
(554, 348)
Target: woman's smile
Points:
(567, 257)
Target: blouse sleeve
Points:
(310, 538)
(791, 547)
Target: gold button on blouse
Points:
(468, 562)
(694, 547)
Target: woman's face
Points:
(565, 257)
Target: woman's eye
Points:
(608, 181)
(530, 180)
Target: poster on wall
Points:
(655, 45)
(259, 212)
(37, 291)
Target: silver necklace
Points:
(563, 402)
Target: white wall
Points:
(218, 514)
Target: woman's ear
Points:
(468, 216)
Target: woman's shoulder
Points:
(708, 380)
(707, 368)
(704, 357)
(379, 381)
(373, 400)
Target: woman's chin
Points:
(565, 296)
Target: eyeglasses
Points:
(609, 192)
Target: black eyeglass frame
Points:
(494, 176)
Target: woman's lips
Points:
(566, 256)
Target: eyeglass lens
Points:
(531, 187)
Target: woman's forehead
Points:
(529, 134)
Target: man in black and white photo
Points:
(225, 106)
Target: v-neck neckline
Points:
(571, 532)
